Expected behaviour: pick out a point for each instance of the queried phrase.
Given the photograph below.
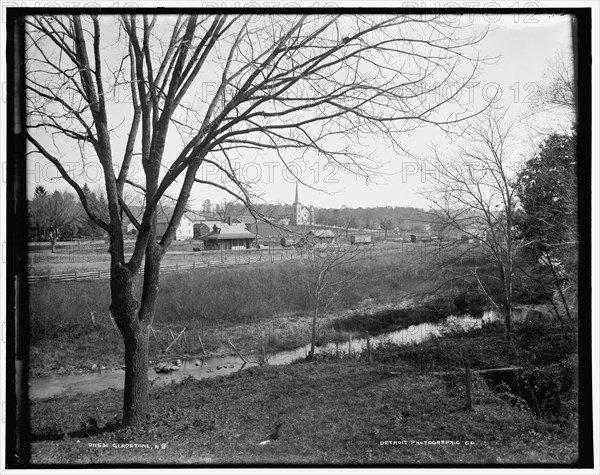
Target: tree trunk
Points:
(135, 403)
(135, 332)
(508, 316)
(507, 304)
(313, 339)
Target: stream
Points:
(207, 367)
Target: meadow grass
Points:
(259, 305)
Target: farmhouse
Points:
(185, 230)
(224, 237)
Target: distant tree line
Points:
(60, 215)
(385, 218)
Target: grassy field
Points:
(335, 410)
(93, 256)
(252, 306)
(329, 411)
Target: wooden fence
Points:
(410, 253)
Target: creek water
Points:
(207, 367)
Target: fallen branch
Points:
(477, 371)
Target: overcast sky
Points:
(524, 47)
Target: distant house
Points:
(228, 237)
(320, 236)
(185, 230)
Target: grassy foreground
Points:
(330, 411)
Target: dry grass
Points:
(251, 305)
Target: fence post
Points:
(349, 344)
(369, 349)
(468, 396)
(75, 276)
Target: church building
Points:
(302, 214)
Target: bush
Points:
(386, 320)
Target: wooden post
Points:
(201, 345)
(468, 396)
(370, 355)
(114, 324)
(75, 276)
(175, 340)
(238, 353)
(349, 344)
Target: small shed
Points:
(420, 237)
(228, 237)
(319, 236)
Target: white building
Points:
(302, 214)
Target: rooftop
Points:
(226, 231)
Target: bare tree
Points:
(324, 280)
(474, 192)
(225, 209)
(387, 224)
(559, 90)
(207, 207)
(285, 84)
(346, 219)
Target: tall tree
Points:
(37, 210)
(559, 90)
(473, 191)
(325, 280)
(287, 84)
(60, 215)
(548, 225)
